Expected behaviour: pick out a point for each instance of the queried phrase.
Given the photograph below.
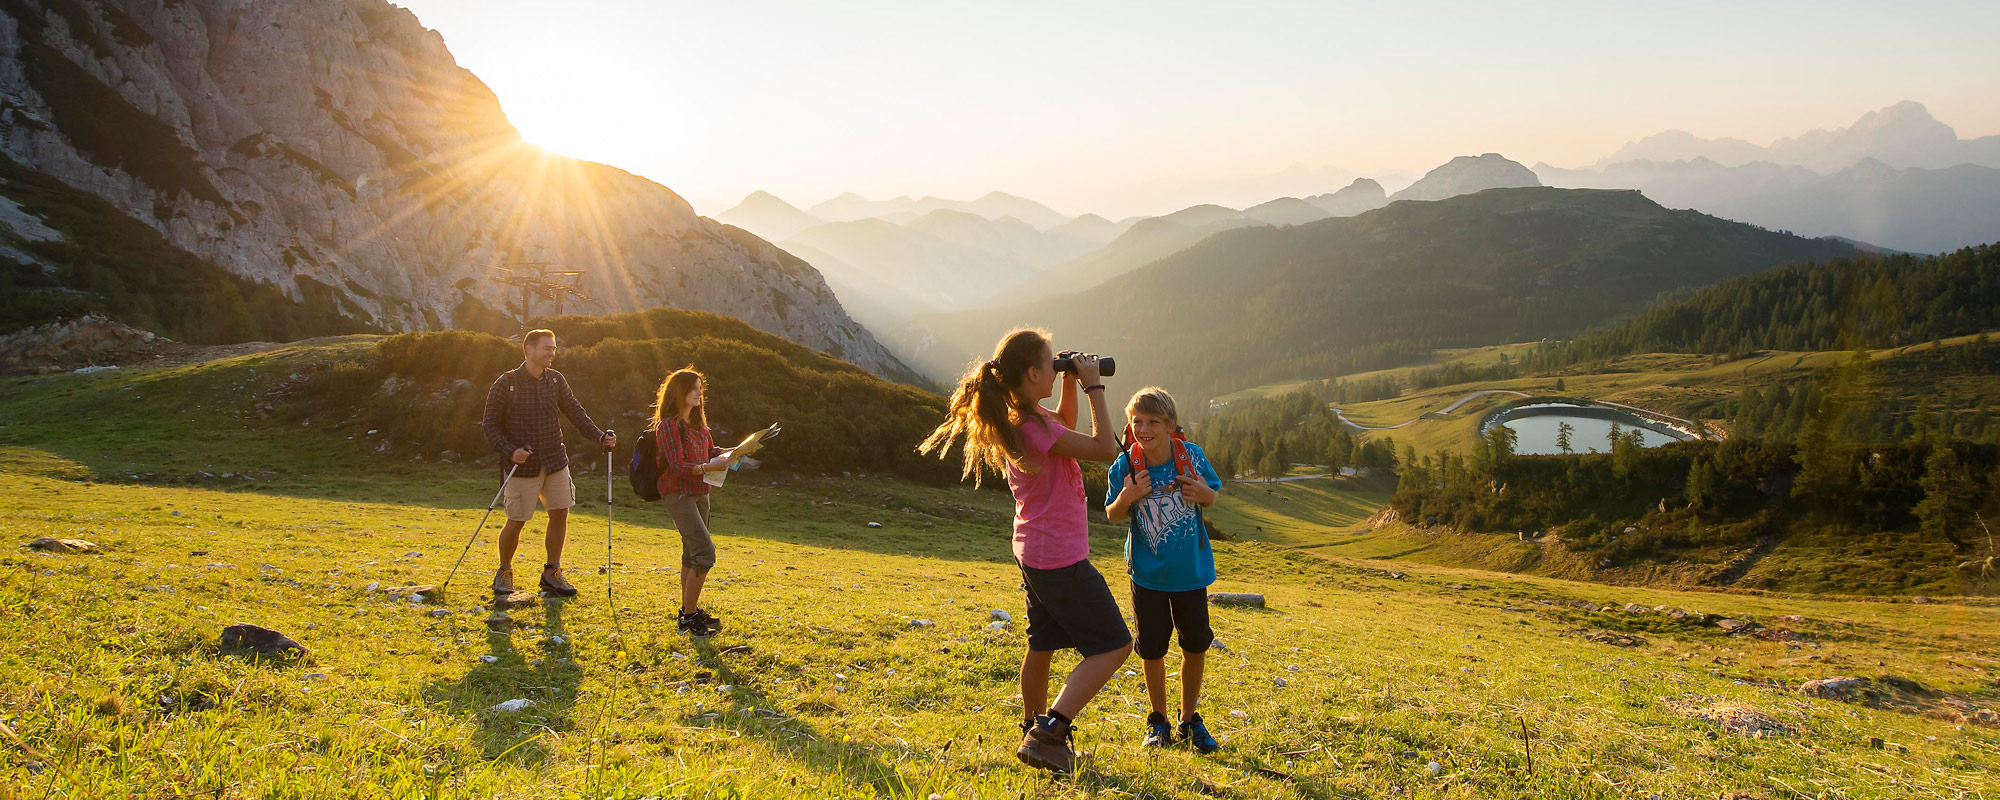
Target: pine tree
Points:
(1563, 431)
(1949, 495)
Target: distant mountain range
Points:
(1897, 178)
(1911, 209)
(902, 263)
(1265, 303)
(1902, 135)
(994, 205)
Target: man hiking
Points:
(521, 425)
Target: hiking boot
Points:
(1196, 734)
(1158, 732)
(503, 581)
(697, 623)
(553, 583)
(1047, 745)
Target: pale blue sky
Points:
(1129, 108)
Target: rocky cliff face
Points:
(334, 148)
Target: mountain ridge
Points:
(1384, 287)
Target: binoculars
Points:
(1106, 365)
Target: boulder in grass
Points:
(49, 544)
(1839, 688)
(1236, 599)
(260, 640)
(517, 600)
(414, 594)
(1733, 625)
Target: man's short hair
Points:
(536, 335)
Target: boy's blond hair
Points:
(1155, 401)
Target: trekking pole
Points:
(482, 525)
(608, 599)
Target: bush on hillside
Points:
(427, 392)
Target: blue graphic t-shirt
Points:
(1167, 546)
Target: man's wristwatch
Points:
(1093, 388)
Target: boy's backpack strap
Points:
(1182, 464)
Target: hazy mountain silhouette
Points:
(1362, 195)
(994, 205)
(1468, 174)
(1286, 211)
(1914, 210)
(762, 213)
(1901, 135)
(938, 273)
(1094, 229)
(1006, 237)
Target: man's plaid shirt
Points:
(521, 411)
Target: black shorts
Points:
(1159, 613)
(1072, 607)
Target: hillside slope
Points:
(1341, 295)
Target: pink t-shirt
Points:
(1051, 526)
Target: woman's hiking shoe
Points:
(1047, 745)
(698, 623)
(1196, 734)
(1158, 732)
(503, 582)
(553, 583)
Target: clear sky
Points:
(1146, 107)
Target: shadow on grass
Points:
(756, 715)
(753, 714)
(549, 683)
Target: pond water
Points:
(1535, 430)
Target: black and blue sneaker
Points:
(1158, 732)
(1197, 734)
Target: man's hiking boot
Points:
(503, 582)
(698, 623)
(1196, 734)
(1158, 732)
(553, 583)
(1047, 745)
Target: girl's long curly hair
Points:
(986, 411)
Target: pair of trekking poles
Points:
(496, 502)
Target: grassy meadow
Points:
(855, 661)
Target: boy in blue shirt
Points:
(1171, 561)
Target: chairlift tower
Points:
(541, 279)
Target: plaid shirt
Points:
(521, 411)
(683, 450)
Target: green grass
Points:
(1470, 356)
(820, 686)
(1300, 513)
